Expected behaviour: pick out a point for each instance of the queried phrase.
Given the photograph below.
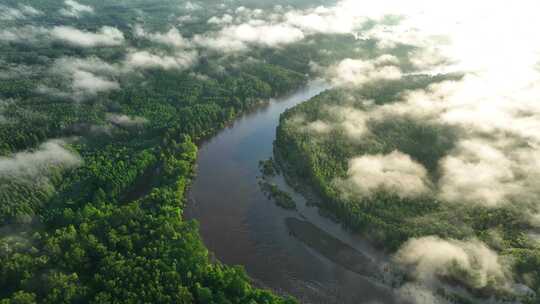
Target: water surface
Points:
(240, 226)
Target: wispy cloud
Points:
(173, 37)
(395, 173)
(145, 59)
(36, 163)
(85, 78)
(75, 9)
(431, 259)
(23, 11)
(236, 38)
(106, 36)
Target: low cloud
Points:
(90, 64)
(145, 59)
(498, 138)
(344, 17)
(24, 34)
(472, 263)
(75, 9)
(357, 72)
(37, 163)
(478, 172)
(172, 37)
(106, 36)
(87, 77)
(345, 119)
(236, 38)
(192, 6)
(21, 12)
(495, 129)
(88, 83)
(395, 172)
(225, 19)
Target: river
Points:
(240, 226)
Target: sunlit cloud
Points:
(37, 163)
(172, 37)
(23, 11)
(75, 9)
(106, 36)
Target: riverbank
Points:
(242, 227)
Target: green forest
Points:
(320, 160)
(430, 157)
(93, 213)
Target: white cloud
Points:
(352, 121)
(22, 12)
(32, 164)
(344, 17)
(89, 64)
(88, 83)
(75, 9)
(497, 159)
(172, 38)
(344, 119)
(186, 18)
(357, 72)
(24, 34)
(30, 10)
(87, 77)
(225, 19)
(106, 36)
(192, 6)
(395, 172)
(471, 263)
(239, 37)
(144, 59)
(478, 172)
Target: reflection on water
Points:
(241, 226)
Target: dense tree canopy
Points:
(320, 158)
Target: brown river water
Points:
(299, 252)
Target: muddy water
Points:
(240, 226)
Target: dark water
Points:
(242, 227)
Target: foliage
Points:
(282, 198)
(318, 160)
(111, 230)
